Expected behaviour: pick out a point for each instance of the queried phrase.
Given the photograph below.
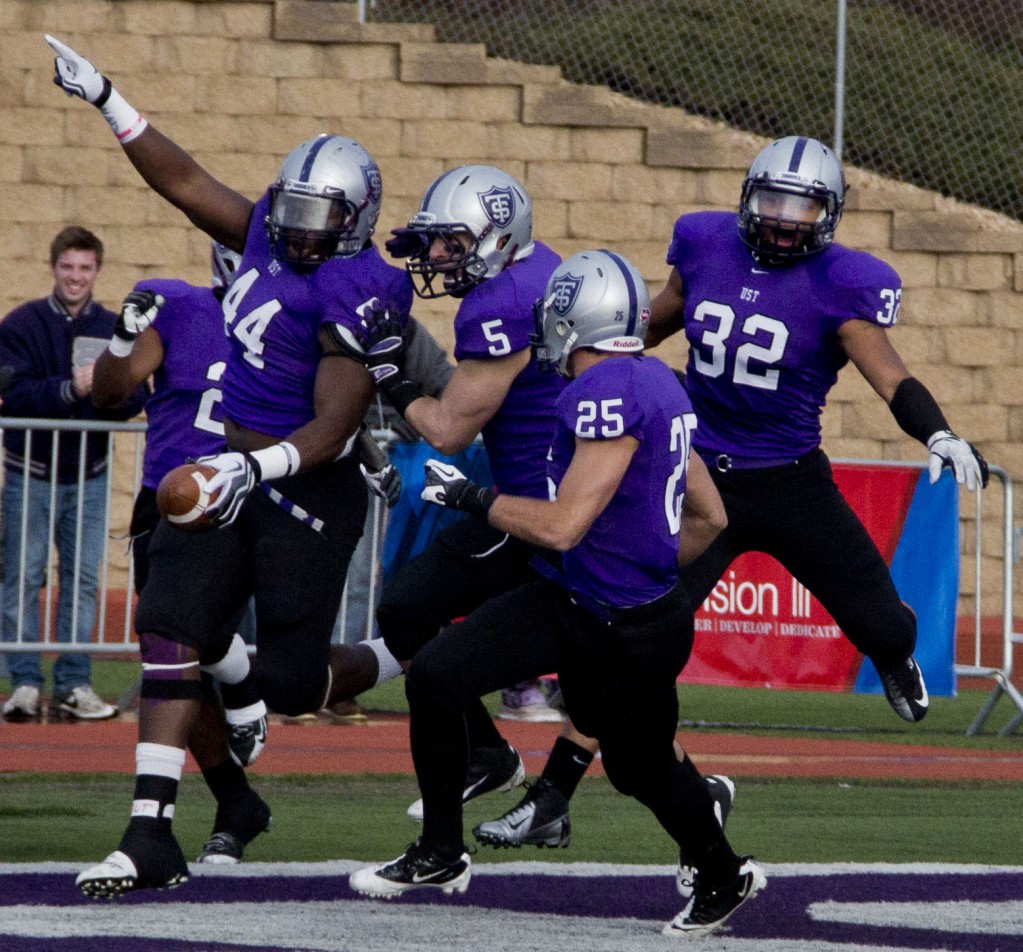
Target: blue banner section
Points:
(412, 523)
(925, 569)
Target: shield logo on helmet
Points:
(498, 205)
(566, 288)
(373, 184)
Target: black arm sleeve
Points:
(916, 411)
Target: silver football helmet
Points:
(223, 264)
(594, 299)
(325, 202)
(791, 200)
(473, 222)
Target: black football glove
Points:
(448, 486)
(138, 311)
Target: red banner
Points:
(760, 627)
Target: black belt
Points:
(723, 462)
(598, 610)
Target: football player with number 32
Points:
(292, 501)
(772, 310)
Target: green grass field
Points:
(79, 818)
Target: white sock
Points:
(386, 662)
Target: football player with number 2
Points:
(772, 310)
(173, 332)
(293, 404)
(610, 617)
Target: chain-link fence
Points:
(931, 91)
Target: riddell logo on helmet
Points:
(624, 343)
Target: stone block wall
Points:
(239, 82)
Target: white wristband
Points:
(279, 460)
(120, 347)
(123, 119)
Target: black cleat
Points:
(237, 824)
(905, 689)
(722, 792)
(143, 861)
(490, 769)
(708, 909)
(416, 868)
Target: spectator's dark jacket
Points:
(36, 343)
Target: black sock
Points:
(242, 694)
(480, 727)
(227, 781)
(566, 765)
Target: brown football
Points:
(182, 498)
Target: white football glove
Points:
(138, 311)
(385, 483)
(967, 465)
(236, 477)
(76, 75)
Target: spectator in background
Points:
(51, 344)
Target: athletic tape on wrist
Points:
(123, 118)
(275, 461)
(120, 347)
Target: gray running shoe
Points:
(539, 819)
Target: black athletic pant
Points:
(796, 514)
(618, 682)
(199, 581)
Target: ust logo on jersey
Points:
(565, 290)
(498, 205)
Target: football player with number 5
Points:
(472, 240)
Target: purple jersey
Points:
(494, 320)
(764, 348)
(273, 315)
(629, 556)
(184, 414)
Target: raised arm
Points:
(218, 210)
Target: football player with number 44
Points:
(611, 619)
(290, 501)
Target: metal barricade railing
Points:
(1002, 672)
(64, 429)
(114, 633)
(975, 666)
(119, 638)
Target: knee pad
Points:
(170, 670)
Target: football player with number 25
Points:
(610, 617)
